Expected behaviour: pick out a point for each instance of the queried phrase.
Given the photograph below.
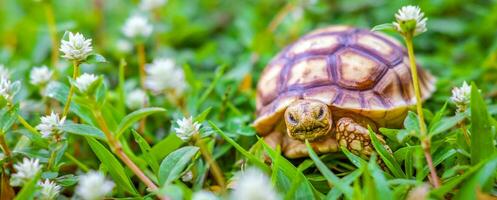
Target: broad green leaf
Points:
(116, 170)
(8, 117)
(481, 135)
(166, 146)
(356, 160)
(135, 116)
(29, 189)
(249, 156)
(387, 157)
(384, 27)
(173, 165)
(83, 130)
(145, 148)
(328, 174)
(446, 124)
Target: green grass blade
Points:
(135, 116)
(380, 182)
(335, 193)
(116, 170)
(356, 160)
(146, 154)
(482, 180)
(387, 158)
(244, 152)
(481, 136)
(83, 130)
(328, 174)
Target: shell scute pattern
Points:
(345, 67)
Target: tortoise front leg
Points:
(355, 137)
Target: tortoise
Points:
(330, 86)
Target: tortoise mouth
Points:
(309, 132)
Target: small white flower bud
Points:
(186, 128)
(254, 184)
(136, 99)
(410, 19)
(93, 186)
(84, 82)
(77, 48)
(164, 76)
(461, 96)
(137, 27)
(49, 190)
(149, 5)
(40, 75)
(25, 171)
(50, 125)
(204, 195)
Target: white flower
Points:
(136, 99)
(7, 88)
(50, 124)
(25, 171)
(151, 4)
(163, 75)
(204, 195)
(186, 128)
(77, 48)
(137, 27)
(49, 190)
(188, 176)
(254, 185)
(410, 18)
(124, 46)
(40, 75)
(93, 186)
(461, 96)
(84, 82)
(4, 72)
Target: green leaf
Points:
(135, 116)
(147, 155)
(452, 183)
(288, 177)
(166, 146)
(8, 117)
(387, 158)
(29, 189)
(249, 156)
(481, 135)
(173, 165)
(328, 174)
(95, 59)
(83, 130)
(356, 160)
(116, 170)
(380, 182)
(446, 124)
(384, 27)
(347, 180)
(482, 180)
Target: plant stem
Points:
(425, 139)
(71, 89)
(53, 32)
(3, 145)
(27, 125)
(76, 161)
(141, 63)
(117, 149)
(214, 167)
(462, 125)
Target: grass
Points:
(222, 47)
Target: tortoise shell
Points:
(350, 69)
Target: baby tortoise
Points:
(330, 85)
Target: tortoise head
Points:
(308, 119)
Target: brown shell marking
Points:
(349, 68)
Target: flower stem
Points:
(214, 167)
(71, 89)
(141, 63)
(6, 150)
(117, 149)
(53, 32)
(77, 162)
(27, 125)
(425, 139)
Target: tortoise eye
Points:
(292, 119)
(321, 113)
